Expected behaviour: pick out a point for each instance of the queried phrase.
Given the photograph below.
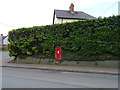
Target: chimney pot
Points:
(71, 8)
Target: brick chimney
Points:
(71, 8)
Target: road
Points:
(5, 55)
(31, 78)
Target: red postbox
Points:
(58, 52)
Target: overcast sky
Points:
(27, 13)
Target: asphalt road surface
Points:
(31, 78)
(5, 55)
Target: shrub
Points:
(84, 38)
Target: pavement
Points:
(78, 69)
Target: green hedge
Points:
(84, 38)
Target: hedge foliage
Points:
(85, 38)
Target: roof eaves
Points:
(70, 18)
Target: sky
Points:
(28, 13)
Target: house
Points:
(3, 40)
(62, 16)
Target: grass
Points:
(71, 56)
(68, 57)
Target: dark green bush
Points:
(84, 38)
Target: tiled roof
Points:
(65, 14)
